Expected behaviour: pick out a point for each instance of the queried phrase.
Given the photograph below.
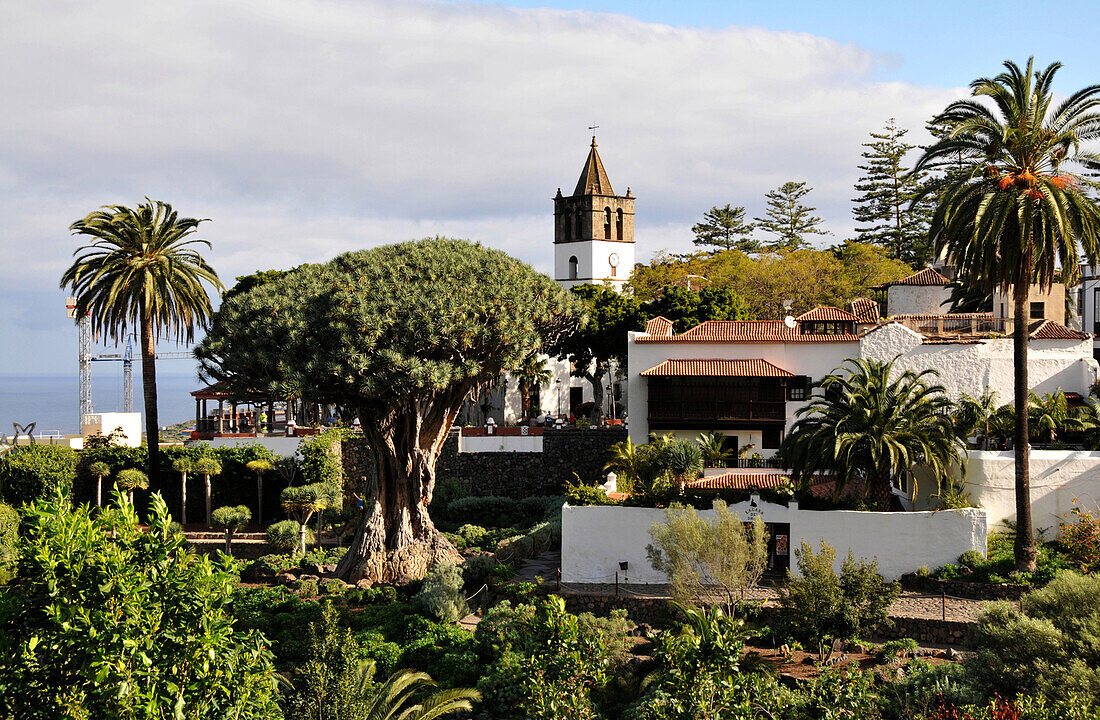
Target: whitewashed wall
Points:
(281, 446)
(595, 540)
(917, 299)
(500, 443)
(1057, 478)
(973, 367)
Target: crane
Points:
(85, 358)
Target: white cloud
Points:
(308, 128)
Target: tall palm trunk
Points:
(183, 498)
(206, 478)
(1025, 541)
(149, 392)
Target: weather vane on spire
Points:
(593, 127)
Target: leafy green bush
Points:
(441, 593)
(283, 535)
(318, 457)
(447, 490)
(539, 508)
(307, 588)
(948, 572)
(280, 615)
(891, 649)
(266, 567)
(579, 495)
(543, 663)
(477, 570)
(381, 595)
(322, 556)
(330, 683)
(820, 605)
(839, 693)
(36, 472)
(1050, 646)
(445, 651)
(86, 620)
(486, 510)
(680, 460)
(1081, 539)
(515, 549)
(1000, 566)
(374, 646)
(332, 586)
(701, 673)
(472, 534)
(9, 539)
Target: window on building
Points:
(1038, 310)
(771, 438)
(1080, 306)
(607, 224)
(619, 224)
(573, 267)
(567, 228)
(821, 327)
(1095, 311)
(577, 234)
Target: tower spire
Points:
(593, 180)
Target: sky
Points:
(305, 129)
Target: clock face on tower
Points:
(613, 259)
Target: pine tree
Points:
(726, 229)
(788, 218)
(885, 209)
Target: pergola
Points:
(227, 423)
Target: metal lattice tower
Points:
(84, 359)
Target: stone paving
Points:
(909, 604)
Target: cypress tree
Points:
(786, 217)
(885, 209)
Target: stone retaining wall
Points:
(963, 589)
(657, 611)
(510, 474)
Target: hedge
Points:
(236, 485)
(34, 472)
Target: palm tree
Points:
(715, 451)
(1014, 214)
(142, 271)
(130, 479)
(395, 699)
(100, 470)
(260, 467)
(863, 424)
(534, 372)
(975, 415)
(183, 465)
(231, 518)
(208, 466)
(1050, 415)
(1089, 417)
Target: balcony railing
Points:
(956, 324)
(716, 410)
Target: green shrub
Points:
(447, 490)
(579, 495)
(539, 508)
(332, 586)
(444, 651)
(104, 604)
(487, 510)
(319, 460)
(515, 549)
(820, 605)
(948, 572)
(374, 646)
(9, 532)
(36, 472)
(472, 534)
(283, 535)
(477, 570)
(1081, 539)
(382, 595)
(322, 556)
(455, 540)
(441, 593)
(307, 588)
(1050, 646)
(971, 559)
(680, 460)
(266, 567)
(892, 649)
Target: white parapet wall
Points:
(500, 443)
(280, 446)
(1058, 479)
(596, 541)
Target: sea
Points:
(52, 401)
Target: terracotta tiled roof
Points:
(740, 481)
(865, 309)
(716, 368)
(824, 312)
(659, 327)
(927, 276)
(945, 316)
(1050, 330)
(747, 331)
(593, 180)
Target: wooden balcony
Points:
(714, 414)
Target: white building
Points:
(747, 379)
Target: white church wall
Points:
(916, 299)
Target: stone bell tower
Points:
(593, 230)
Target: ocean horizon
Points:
(52, 401)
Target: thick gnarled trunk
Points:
(1025, 540)
(397, 541)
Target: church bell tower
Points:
(593, 230)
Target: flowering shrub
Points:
(1081, 539)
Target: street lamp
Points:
(559, 397)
